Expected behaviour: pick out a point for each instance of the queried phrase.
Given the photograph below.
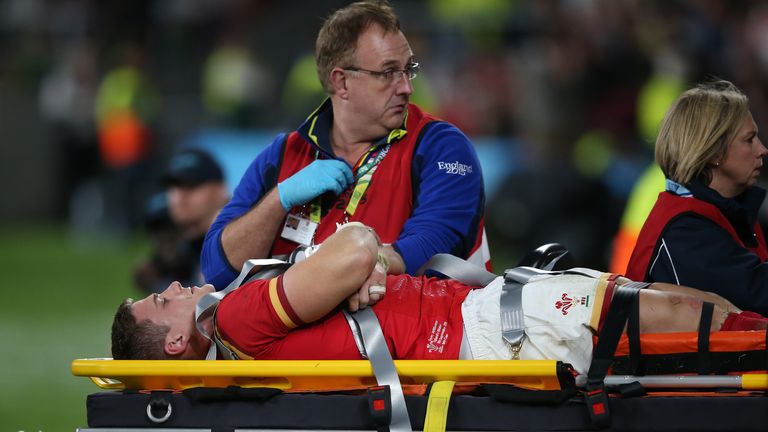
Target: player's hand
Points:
(314, 180)
(371, 292)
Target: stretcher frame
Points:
(317, 388)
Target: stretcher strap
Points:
(356, 335)
(512, 317)
(596, 397)
(458, 269)
(383, 366)
(633, 336)
(636, 364)
(380, 407)
(437, 406)
(633, 332)
(705, 326)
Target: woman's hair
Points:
(337, 40)
(697, 129)
(133, 340)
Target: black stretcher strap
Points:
(705, 326)
(636, 363)
(380, 407)
(602, 357)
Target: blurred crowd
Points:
(570, 92)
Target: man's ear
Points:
(175, 345)
(339, 83)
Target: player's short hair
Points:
(133, 340)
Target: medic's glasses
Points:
(391, 76)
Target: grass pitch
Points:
(58, 297)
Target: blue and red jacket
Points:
(425, 197)
(706, 242)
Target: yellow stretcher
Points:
(307, 375)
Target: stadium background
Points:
(561, 99)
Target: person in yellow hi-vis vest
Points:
(125, 110)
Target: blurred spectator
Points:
(235, 84)
(302, 90)
(196, 191)
(66, 100)
(178, 220)
(170, 258)
(125, 108)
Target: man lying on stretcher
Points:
(298, 315)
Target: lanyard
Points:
(363, 174)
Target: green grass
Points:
(58, 297)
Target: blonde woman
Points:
(703, 231)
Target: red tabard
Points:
(391, 185)
(669, 206)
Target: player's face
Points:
(174, 307)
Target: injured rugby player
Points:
(299, 314)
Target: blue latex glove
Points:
(314, 180)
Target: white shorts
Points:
(561, 312)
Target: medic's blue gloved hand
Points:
(314, 180)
